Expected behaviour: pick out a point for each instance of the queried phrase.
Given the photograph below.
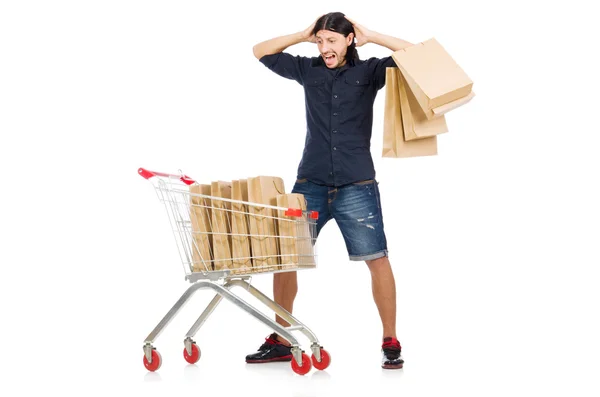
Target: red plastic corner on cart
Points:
(293, 212)
(145, 173)
(187, 180)
(314, 215)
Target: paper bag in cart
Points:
(437, 81)
(200, 217)
(263, 233)
(221, 225)
(394, 144)
(240, 228)
(295, 239)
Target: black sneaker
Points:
(272, 350)
(391, 352)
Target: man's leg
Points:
(384, 293)
(285, 284)
(285, 288)
(357, 210)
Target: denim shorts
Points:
(356, 208)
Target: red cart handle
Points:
(149, 174)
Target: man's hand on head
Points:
(308, 35)
(363, 35)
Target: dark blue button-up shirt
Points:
(339, 115)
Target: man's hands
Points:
(363, 35)
(308, 35)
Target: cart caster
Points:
(304, 368)
(191, 352)
(325, 360)
(155, 359)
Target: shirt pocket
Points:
(357, 84)
(316, 89)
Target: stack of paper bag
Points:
(234, 231)
(427, 84)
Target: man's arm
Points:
(278, 44)
(393, 43)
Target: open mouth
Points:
(330, 59)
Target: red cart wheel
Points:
(194, 357)
(325, 360)
(156, 361)
(306, 366)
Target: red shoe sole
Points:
(272, 360)
(397, 366)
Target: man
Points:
(336, 174)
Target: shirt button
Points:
(334, 131)
(334, 148)
(335, 96)
(335, 114)
(357, 82)
(331, 173)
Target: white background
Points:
(494, 242)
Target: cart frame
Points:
(222, 282)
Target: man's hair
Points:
(337, 22)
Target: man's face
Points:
(333, 47)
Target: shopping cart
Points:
(222, 243)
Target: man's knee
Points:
(285, 280)
(374, 263)
(285, 276)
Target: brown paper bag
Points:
(295, 242)
(200, 217)
(240, 241)
(441, 110)
(415, 123)
(394, 144)
(264, 190)
(221, 225)
(433, 76)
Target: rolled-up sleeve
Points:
(288, 66)
(378, 66)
